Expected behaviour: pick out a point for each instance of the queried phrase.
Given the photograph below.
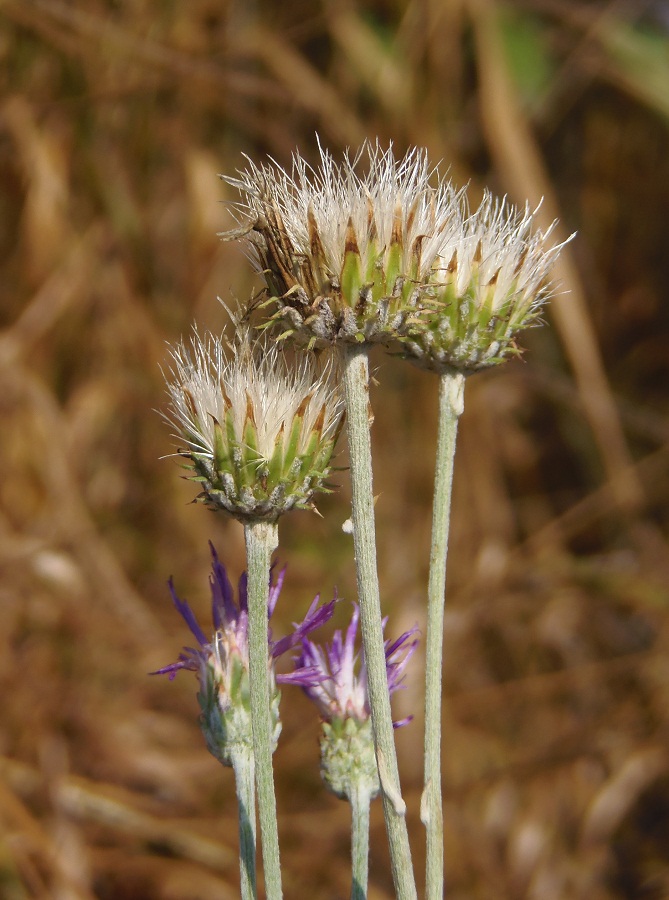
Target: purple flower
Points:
(231, 624)
(337, 690)
(222, 662)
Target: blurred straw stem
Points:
(305, 85)
(114, 809)
(37, 841)
(72, 521)
(518, 158)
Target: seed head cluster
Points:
(374, 249)
(383, 250)
(346, 253)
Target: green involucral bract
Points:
(226, 710)
(259, 430)
(348, 762)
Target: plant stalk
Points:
(451, 400)
(356, 380)
(242, 764)
(261, 541)
(360, 800)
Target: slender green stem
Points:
(242, 764)
(451, 398)
(261, 541)
(360, 800)
(356, 380)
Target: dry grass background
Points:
(115, 118)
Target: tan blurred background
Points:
(115, 118)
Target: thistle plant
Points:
(258, 435)
(375, 250)
(491, 279)
(392, 255)
(348, 764)
(348, 256)
(222, 667)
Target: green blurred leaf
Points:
(527, 53)
(640, 62)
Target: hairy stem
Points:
(451, 398)
(261, 541)
(356, 379)
(242, 764)
(360, 800)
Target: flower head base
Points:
(259, 433)
(345, 255)
(491, 280)
(348, 761)
(222, 663)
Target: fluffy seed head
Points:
(345, 249)
(491, 279)
(259, 431)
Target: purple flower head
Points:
(336, 689)
(228, 648)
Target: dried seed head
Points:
(491, 280)
(259, 432)
(345, 250)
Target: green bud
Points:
(348, 761)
